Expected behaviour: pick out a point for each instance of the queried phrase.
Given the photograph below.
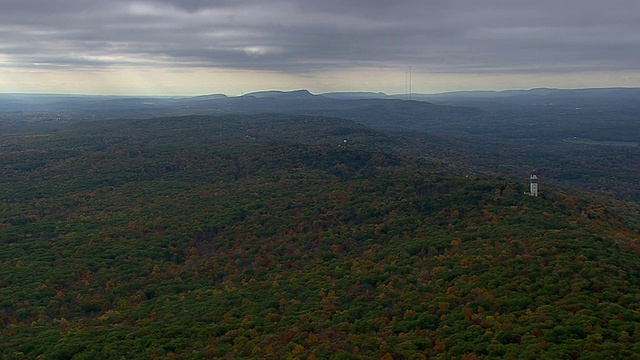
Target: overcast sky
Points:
(189, 47)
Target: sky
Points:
(195, 47)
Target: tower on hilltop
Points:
(533, 184)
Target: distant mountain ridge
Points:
(382, 112)
(541, 112)
(295, 94)
(10, 102)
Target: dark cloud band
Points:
(310, 36)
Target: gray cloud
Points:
(305, 36)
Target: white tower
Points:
(533, 183)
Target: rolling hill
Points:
(268, 236)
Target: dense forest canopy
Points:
(289, 236)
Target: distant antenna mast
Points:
(407, 83)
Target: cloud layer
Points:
(307, 38)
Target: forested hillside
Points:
(583, 138)
(273, 237)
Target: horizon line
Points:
(318, 93)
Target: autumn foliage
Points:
(169, 238)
